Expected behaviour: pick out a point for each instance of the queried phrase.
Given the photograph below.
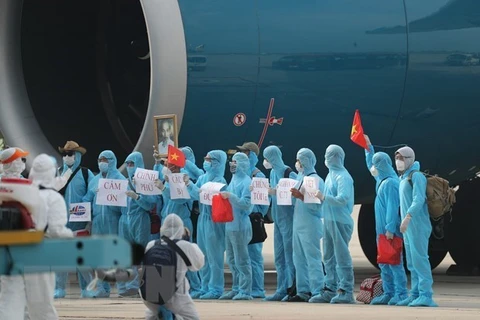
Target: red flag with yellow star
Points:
(176, 156)
(357, 131)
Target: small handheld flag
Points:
(357, 134)
(176, 156)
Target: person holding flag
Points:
(175, 162)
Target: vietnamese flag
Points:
(357, 134)
(176, 156)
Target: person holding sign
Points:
(259, 211)
(211, 235)
(283, 223)
(180, 206)
(105, 218)
(387, 222)
(75, 189)
(338, 200)
(238, 232)
(307, 230)
(134, 224)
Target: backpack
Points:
(268, 217)
(440, 196)
(370, 288)
(159, 281)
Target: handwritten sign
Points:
(310, 185)
(284, 196)
(111, 192)
(260, 191)
(178, 189)
(145, 182)
(210, 189)
(80, 212)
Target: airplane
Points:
(98, 71)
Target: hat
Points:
(72, 146)
(11, 154)
(249, 146)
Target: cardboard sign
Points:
(260, 191)
(145, 182)
(111, 192)
(284, 196)
(210, 189)
(310, 185)
(80, 212)
(178, 189)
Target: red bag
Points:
(370, 288)
(389, 251)
(221, 209)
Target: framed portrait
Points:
(166, 133)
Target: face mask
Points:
(166, 171)
(326, 163)
(298, 166)
(374, 171)
(233, 167)
(103, 167)
(400, 165)
(69, 161)
(16, 167)
(131, 171)
(267, 165)
(207, 166)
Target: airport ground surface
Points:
(458, 298)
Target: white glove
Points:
(159, 184)
(319, 195)
(405, 222)
(67, 174)
(367, 139)
(272, 191)
(250, 188)
(225, 195)
(389, 235)
(132, 194)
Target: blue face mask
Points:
(207, 166)
(103, 167)
(131, 171)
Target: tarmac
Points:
(457, 297)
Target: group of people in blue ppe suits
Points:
(406, 192)
(317, 276)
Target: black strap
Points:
(177, 249)
(62, 191)
(301, 183)
(85, 176)
(286, 173)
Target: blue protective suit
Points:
(307, 232)
(211, 235)
(337, 210)
(255, 250)
(387, 218)
(238, 232)
(190, 167)
(134, 224)
(413, 202)
(74, 193)
(105, 219)
(182, 208)
(283, 226)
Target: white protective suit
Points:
(181, 304)
(35, 290)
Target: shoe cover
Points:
(275, 297)
(242, 296)
(423, 302)
(228, 295)
(257, 294)
(325, 296)
(343, 298)
(100, 293)
(384, 299)
(406, 302)
(210, 296)
(285, 299)
(300, 297)
(396, 299)
(196, 294)
(59, 294)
